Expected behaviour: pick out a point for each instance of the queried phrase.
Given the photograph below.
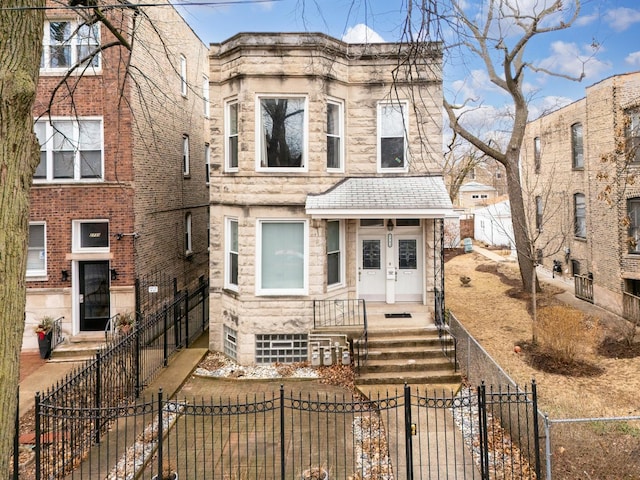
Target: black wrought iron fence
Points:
(402, 435)
(74, 415)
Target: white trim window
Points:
(281, 257)
(335, 135)
(205, 96)
(186, 161)
(188, 234)
(579, 215)
(392, 136)
(231, 254)
(281, 126)
(37, 250)
(577, 150)
(231, 135)
(67, 44)
(335, 258)
(90, 236)
(207, 163)
(183, 75)
(70, 150)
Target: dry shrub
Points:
(565, 333)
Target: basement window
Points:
(281, 348)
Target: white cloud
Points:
(622, 18)
(633, 59)
(567, 59)
(473, 86)
(546, 105)
(584, 20)
(361, 34)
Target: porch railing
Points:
(448, 341)
(57, 338)
(631, 307)
(339, 313)
(584, 287)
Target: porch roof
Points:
(376, 197)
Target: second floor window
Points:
(67, 43)
(633, 136)
(185, 155)
(282, 139)
(231, 134)
(536, 154)
(580, 216)
(392, 136)
(183, 75)
(576, 146)
(70, 150)
(334, 135)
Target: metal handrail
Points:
(56, 337)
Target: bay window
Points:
(282, 138)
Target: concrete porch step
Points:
(422, 378)
(398, 353)
(78, 348)
(406, 365)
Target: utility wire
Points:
(138, 5)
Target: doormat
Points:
(397, 315)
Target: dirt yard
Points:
(496, 312)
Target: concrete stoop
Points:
(412, 356)
(78, 348)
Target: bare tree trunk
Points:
(520, 224)
(20, 49)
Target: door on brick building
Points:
(94, 295)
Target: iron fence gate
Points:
(404, 435)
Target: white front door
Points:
(371, 268)
(408, 264)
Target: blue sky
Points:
(613, 26)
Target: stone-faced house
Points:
(325, 184)
(122, 189)
(580, 169)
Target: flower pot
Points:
(44, 344)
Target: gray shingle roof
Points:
(369, 197)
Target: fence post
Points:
(165, 347)
(547, 444)
(160, 434)
(16, 443)
(484, 434)
(536, 430)
(38, 447)
(97, 397)
(407, 431)
(282, 439)
(137, 354)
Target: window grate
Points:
(230, 342)
(281, 348)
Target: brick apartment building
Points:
(327, 185)
(122, 188)
(580, 168)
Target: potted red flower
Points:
(44, 331)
